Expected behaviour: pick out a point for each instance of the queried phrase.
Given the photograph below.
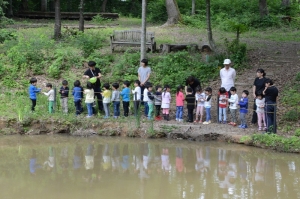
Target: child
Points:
(243, 109)
(136, 96)
(165, 102)
(126, 97)
(207, 104)
(260, 103)
(190, 99)
(106, 100)
(145, 99)
(89, 98)
(233, 101)
(179, 103)
(78, 95)
(157, 102)
(200, 99)
(150, 101)
(50, 95)
(64, 94)
(223, 95)
(33, 90)
(116, 100)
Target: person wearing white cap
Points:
(227, 75)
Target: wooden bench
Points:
(131, 38)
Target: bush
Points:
(197, 21)
(291, 115)
(297, 132)
(157, 11)
(7, 34)
(237, 52)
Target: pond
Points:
(96, 167)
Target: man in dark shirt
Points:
(271, 94)
(190, 99)
(95, 72)
(193, 83)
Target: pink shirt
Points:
(179, 99)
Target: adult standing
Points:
(258, 87)
(271, 94)
(94, 72)
(227, 75)
(144, 73)
(192, 82)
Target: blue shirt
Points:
(77, 93)
(125, 94)
(33, 90)
(243, 105)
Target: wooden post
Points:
(143, 36)
(81, 17)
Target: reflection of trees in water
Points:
(160, 169)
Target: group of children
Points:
(160, 99)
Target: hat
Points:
(93, 80)
(227, 61)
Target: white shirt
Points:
(207, 104)
(89, 98)
(50, 95)
(260, 102)
(145, 99)
(137, 90)
(233, 101)
(227, 77)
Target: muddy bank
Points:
(129, 128)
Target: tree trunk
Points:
(143, 36)
(24, 5)
(10, 9)
(81, 17)
(44, 5)
(57, 26)
(263, 8)
(103, 7)
(285, 3)
(193, 7)
(208, 23)
(173, 12)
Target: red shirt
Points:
(222, 102)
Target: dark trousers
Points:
(116, 108)
(136, 107)
(142, 95)
(99, 98)
(190, 114)
(33, 102)
(254, 115)
(126, 108)
(146, 109)
(78, 107)
(270, 116)
(157, 110)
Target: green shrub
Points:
(297, 78)
(100, 20)
(297, 132)
(291, 115)
(7, 34)
(89, 42)
(156, 11)
(197, 21)
(236, 51)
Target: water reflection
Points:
(154, 169)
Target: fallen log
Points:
(167, 48)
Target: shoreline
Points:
(147, 129)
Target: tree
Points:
(10, 9)
(143, 35)
(81, 17)
(208, 23)
(57, 26)
(193, 7)
(263, 8)
(103, 7)
(44, 5)
(173, 12)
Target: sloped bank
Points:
(167, 130)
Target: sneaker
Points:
(196, 121)
(88, 116)
(200, 121)
(177, 119)
(233, 124)
(224, 122)
(209, 122)
(180, 120)
(246, 126)
(260, 129)
(241, 126)
(230, 123)
(205, 122)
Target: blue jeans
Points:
(270, 116)
(89, 107)
(78, 107)
(146, 109)
(222, 111)
(106, 109)
(116, 109)
(179, 112)
(208, 117)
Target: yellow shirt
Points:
(106, 96)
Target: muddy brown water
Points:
(97, 167)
